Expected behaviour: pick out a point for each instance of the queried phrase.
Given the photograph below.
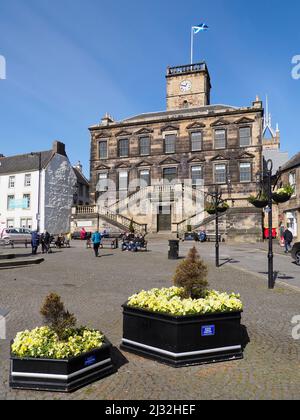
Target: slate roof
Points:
(180, 112)
(292, 163)
(24, 163)
(81, 179)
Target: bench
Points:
(211, 237)
(111, 243)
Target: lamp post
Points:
(270, 218)
(217, 200)
(38, 216)
(265, 178)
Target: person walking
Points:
(288, 239)
(96, 239)
(35, 242)
(45, 241)
(83, 234)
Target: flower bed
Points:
(170, 301)
(59, 356)
(186, 324)
(44, 343)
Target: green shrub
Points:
(56, 317)
(191, 275)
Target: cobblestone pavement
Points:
(94, 289)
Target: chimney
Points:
(107, 119)
(59, 148)
(79, 166)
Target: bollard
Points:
(174, 250)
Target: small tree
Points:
(131, 227)
(56, 317)
(191, 274)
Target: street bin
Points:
(174, 250)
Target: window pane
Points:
(10, 202)
(26, 197)
(220, 139)
(145, 146)
(220, 174)
(103, 182)
(123, 181)
(245, 172)
(27, 180)
(103, 149)
(197, 175)
(170, 174)
(170, 141)
(245, 136)
(124, 148)
(11, 182)
(145, 178)
(10, 223)
(196, 141)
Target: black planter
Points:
(182, 341)
(281, 198)
(259, 204)
(61, 375)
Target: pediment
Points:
(170, 127)
(220, 123)
(196, 159)
(102, 135)
(246, 155)
(244, 120)
(144, 163)
(102, 168)
(123, 165)
(143, 131)
(195, 126)
(123, 133)
(219, 157)
(169, 161)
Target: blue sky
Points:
(70, 61)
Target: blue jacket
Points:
(35, 239)
(96, 238)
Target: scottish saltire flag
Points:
(200, 28)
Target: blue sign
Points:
(208, 331)
(90, 361)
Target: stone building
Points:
(150, 157)
(82, 194)
(289, 213)
(37, 190)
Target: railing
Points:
(122, 221)
(86, 209)
(171, 71)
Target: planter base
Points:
(182, 341)
(183, 359)
(61, 375)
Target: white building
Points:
(37, 190)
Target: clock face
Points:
(185, 86)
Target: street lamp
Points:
(217, 203)
(38, 216)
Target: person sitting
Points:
(202, 236)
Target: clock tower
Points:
(188, 86)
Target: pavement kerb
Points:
(261, 277)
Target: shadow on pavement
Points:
(228, 261)
(245, 337)
(118, 358)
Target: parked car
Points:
(296, 253)
(16, 236)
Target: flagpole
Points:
(192, 46)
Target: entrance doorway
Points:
(164, 219)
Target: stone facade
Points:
(208, 137)
(289, 213)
